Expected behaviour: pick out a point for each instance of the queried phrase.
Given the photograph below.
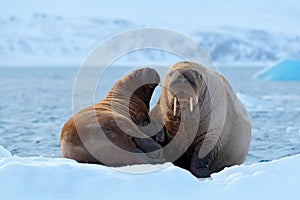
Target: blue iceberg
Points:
(287, 70)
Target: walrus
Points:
(205, 126)
(108, 133)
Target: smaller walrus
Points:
(107, 133)
(205, 126)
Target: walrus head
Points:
(185, 107)
(144, 81)
(130, 96)
(137, 88)
(183, 87)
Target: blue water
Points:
(36, 102)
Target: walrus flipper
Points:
(152, 148)
(200, 167)
(149, 150)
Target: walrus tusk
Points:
(174, 110)
(191, 104)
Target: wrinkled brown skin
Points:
(82, 129)
(233, 144)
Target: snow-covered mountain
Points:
(238, 46)
(48, 39)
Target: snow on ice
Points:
(49, 178)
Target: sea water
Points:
(36, 102)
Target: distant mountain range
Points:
(43, 39)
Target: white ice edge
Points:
(48, 178)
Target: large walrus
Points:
(206, 127)
(108, 133)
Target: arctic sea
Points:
(36, 102)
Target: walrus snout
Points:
(183, 100)
(183, 86)
(184, 76)
(182, 90)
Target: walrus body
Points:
(204, 121)
(107, 133)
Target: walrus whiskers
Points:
(174, 109)
(191, 104)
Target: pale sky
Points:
(278, 15)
